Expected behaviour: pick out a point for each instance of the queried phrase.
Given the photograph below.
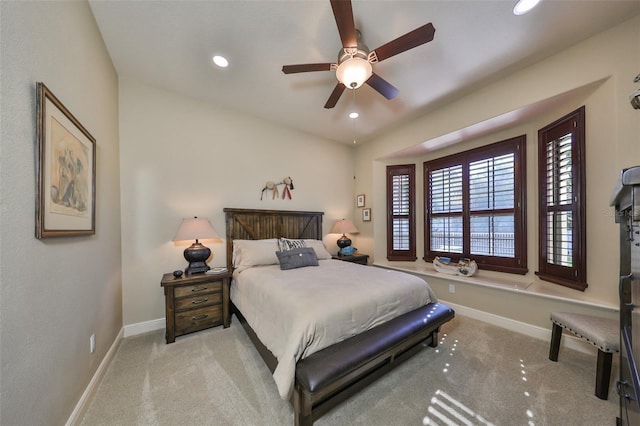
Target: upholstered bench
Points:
(329, 374)
(603, 333)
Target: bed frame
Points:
(333, 374)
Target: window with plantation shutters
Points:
(474, 206)
(401, 232)
(562, 224)
(445, 189)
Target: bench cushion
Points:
(604, 333)
(338, 360)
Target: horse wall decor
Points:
(273, 187)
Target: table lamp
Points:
(343, 227)
(196, 254)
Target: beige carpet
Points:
(479, 375)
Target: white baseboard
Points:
(126, 331)
(568, 340)
(144, 327)
(82, 405)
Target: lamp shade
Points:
(353, 72)
(196, 254)
(344, 226)
(195, 229)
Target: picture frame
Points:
(366, 215)
(65, 171)
(360, 200)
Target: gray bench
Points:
(603, 333)
(330, 375)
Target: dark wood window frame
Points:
(516, 264)
(573, 273)
(408, 254)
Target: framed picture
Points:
(366, 215)
(360, 200)
(65, 171)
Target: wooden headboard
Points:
(251, 224)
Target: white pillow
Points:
(318, 246)
(248, 253)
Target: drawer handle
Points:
(198, 289)
(199, 301)
(199, 317)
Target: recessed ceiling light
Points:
(524, 6)
(354, 115)
(220, 61)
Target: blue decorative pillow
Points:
(297, 258)
(289, 244)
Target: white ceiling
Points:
(169, 44)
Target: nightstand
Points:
(195, 302)
(354, 258)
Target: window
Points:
(561, 174)
(475, 206)
(401, 222)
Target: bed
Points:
(338, 342)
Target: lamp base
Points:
(197, 254)
(196, 268)
(343, 242)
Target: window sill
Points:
(506, 282)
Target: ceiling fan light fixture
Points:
(524, 6)
(353, 72)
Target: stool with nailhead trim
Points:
(600, 332)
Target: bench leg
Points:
(434, 338)
(603, 374)
(301, 408)
(556, 336)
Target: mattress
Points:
(300, 311)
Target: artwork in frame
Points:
(360, 200)
(366, 215)
(65, 171)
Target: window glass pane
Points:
(401, 234)
(445, 186)
(493, 235)
(446, 234)
(400, 194)
(559, 171)
(491, 183)
(559, 238)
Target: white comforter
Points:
(300, 311)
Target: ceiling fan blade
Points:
(290, 69)
(343, 13)
(412, 39)
(382, 86)
(335, 95)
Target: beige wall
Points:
(604, 67)
(54, 293)
(183, 158)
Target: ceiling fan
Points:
(353, 68)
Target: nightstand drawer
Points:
(193, 290)
(197, 319)
(199, 301)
